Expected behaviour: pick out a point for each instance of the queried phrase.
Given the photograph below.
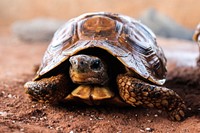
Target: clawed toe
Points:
(178, 114)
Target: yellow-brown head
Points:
(87, 69)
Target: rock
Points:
(164, 26)
(40, 29)
(148, 129)
(4, 114)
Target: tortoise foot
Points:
(50, 90)
(138, 93)
(178, 113)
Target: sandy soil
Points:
(19, 114)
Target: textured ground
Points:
(19, 114)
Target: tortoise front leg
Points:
(52, 89)
(137, 92)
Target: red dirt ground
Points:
(19, 114)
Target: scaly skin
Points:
(51, 89)
(138, 93)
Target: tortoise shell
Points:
(131, 42)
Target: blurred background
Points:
(172, 18)
(185, 12)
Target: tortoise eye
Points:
(95, 64)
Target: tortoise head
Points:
(87, 69)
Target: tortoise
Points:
(100, 58)
(196, 37)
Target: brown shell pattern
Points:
(125, 38)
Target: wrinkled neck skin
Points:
(87, 69)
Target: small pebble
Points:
(10, 96)
(100, 118)
(155, 115)
(149, 121)
(189, 108)
(50, 127)
(141, 130)
(115, 116)
(33, 117)
(160, 111)
(43, 118)
(149, 129)
(119, 131)
(4, 114)
(59, 128)
(21, 130)
(71, 131)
